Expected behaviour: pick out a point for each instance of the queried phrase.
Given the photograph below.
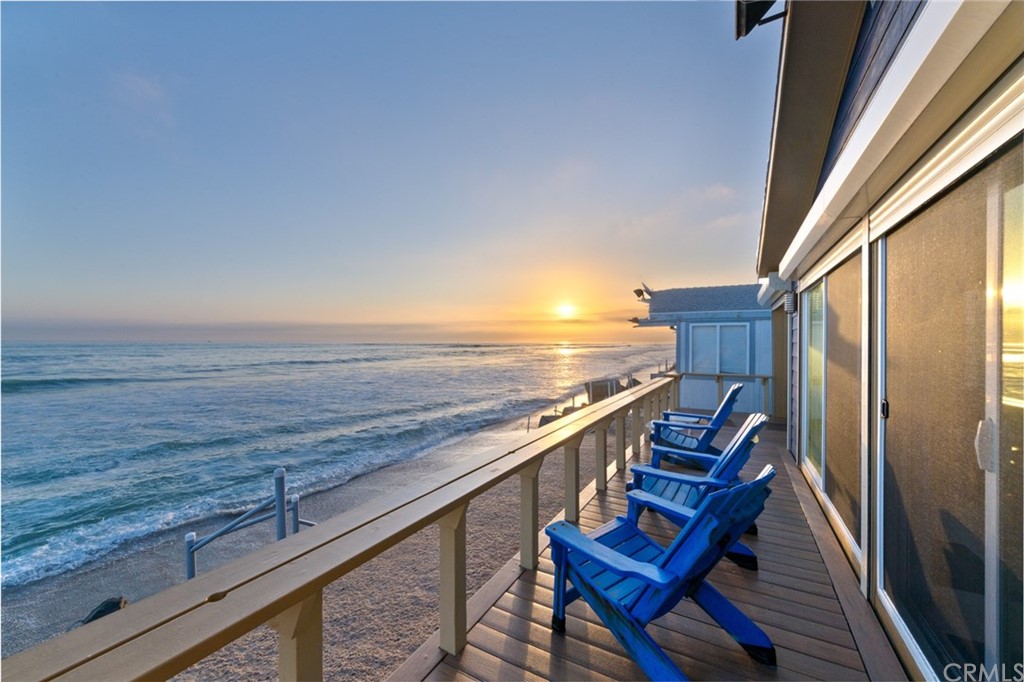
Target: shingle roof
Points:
(705, 299)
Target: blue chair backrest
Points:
(725, 408)
(737, 452)
(728, 466)
(718, 522)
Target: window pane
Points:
(933, 492)
(1011, 422)
(733, 339)
(842, 426)
(704, 350)
(815, 375)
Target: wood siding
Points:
(884, 28)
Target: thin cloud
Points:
(679, 211)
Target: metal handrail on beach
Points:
(250, 518)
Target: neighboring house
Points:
(723, 336)
(892, 231)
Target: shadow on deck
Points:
(805, 596)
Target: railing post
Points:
(673, 402)
(620, 440)
(295, 514)
(637, 429)
(300, 636)
(528, 515)
(190, 556)
(601, 454)
(453, 580)
(279, 503)
(648, 416)
(572, 480)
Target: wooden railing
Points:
(282, 583)
(757, 396)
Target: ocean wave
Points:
(20, 385)
(168, 456)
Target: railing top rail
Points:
(161, 635)
(722, 375)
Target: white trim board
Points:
(999, 116)
(941, 39)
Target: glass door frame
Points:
(986, 446)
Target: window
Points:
(814, 376)
(720, 348)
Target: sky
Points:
(374, 171)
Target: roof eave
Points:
(818, 40)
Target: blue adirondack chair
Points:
(694, 432)
(629, 579)
(675, 495)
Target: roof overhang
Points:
(818, 40)
(749, 15)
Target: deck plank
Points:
(792, 597)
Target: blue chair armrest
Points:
(668, 414)
(659, 452)
(569, 536)
(642, 470)
(679, 425)
(677, 513)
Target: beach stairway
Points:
(281, 506)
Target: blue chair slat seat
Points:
(629, 580)
(675, 495)
(695, 432)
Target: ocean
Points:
(105, 445)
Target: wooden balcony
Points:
(805, 596)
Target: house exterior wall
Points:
(921, 355)
(703, 387)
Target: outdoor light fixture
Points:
(789, 302)
(634, 320)
(644, 289)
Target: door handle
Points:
(985, 445)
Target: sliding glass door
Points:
(831, 444)
(949, 475)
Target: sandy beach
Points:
(370, 627)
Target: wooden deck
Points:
(805, 596)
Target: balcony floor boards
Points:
(793, 597)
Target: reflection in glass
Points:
(1011, 422)
(814, 404)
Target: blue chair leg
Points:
(558, 556)
(742, 556)
(644, 651)
(749, 636)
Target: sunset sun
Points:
(566, 311)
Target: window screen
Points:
(733, 349)
(933, 490)
(704, 349)
(843, 413)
